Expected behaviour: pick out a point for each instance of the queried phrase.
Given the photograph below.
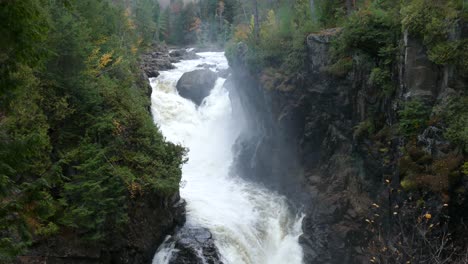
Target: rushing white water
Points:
(249, 223)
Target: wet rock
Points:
(318, 45)
(421, 76)
(151, 73)
(196, 85)
(157, 60)
(224, 73)
(194, 245)
(183, 54)
(206, 65)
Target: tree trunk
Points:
(256, 20)
(350, 6)
(313, 11)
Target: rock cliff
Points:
(314, 143)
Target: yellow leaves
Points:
(196, 25)
(118, 60)
(242, 32)
(101, 41)
(105, 59)
(118, 128)
(139, 41)
(270, 25)
(135, 189)
(271, 18)
(252, 23)
(100, 62)
(130, 23)
(134, 49)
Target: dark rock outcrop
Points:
(151, 219)
(183, 54)
(157, 60)
(223, 73)
(194, 245)
(196, 85)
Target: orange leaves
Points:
(105, 59)
(242, 32)
(118, 127)
(130, 23)
(135, 189)
(99, 63)
(196, 25)
(134, 49)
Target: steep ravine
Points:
(304, 142)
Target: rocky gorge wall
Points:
(151, 219)
(308, 143)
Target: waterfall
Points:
(249, 223)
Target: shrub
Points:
(413, 117)
(381, 78)
(371, 30)
(433, 22)
(456, 117)
(341, 68)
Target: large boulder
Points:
(194, 245)
(183, 54)
(196, 85)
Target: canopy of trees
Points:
(76, 140)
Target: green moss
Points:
(341, 68)
(364, 128)
(465, 168)
(408, 184)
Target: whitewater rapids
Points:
(249, 223)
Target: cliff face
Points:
(151, 219)
(307, 142)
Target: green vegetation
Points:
(456, 117)
(76, 140)
(434, 22)
(278, 51)
(203, 23)
(414, 116)
(77, 143)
